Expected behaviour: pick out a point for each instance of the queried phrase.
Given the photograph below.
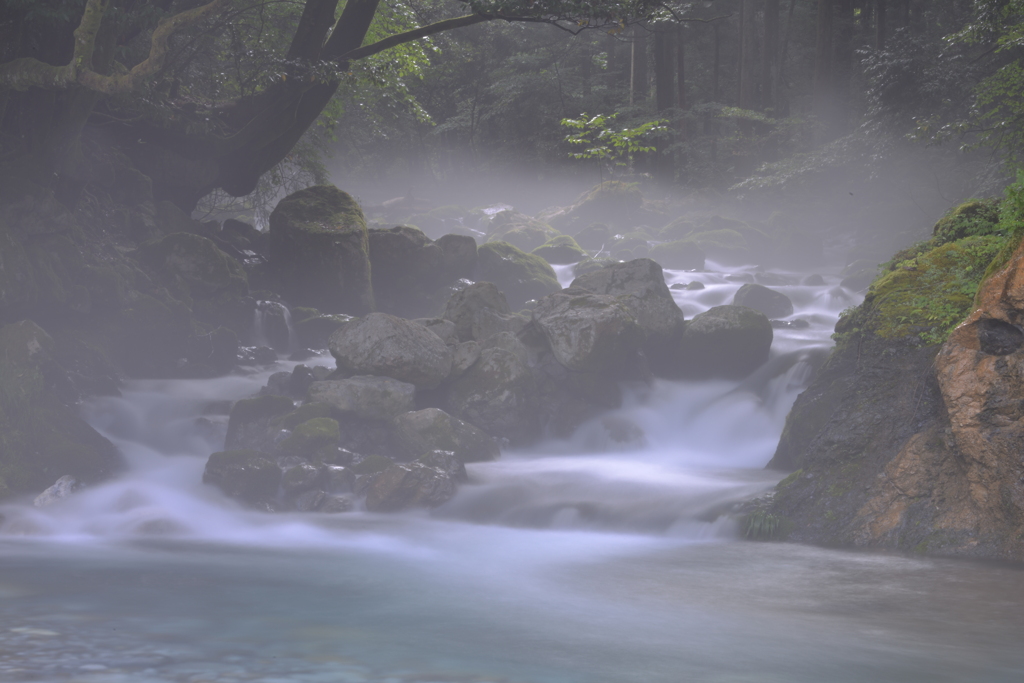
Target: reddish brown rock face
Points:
(980, 370)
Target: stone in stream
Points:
(768, 301)
(61, 489)
(433, 429)
(249, 476)
(640, 284)
(427, 482)
(366, 397)
(319, 249)
(385, 345)
(590, 333)
(727, 342)
(464, 305)
(520, 276)
(250, 423)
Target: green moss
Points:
(561, 249)
(319, 209)
(303, 413)
(975, 217)
(789, 480)
(372, 464)
(929, 295)
(312, 435)
(520, 276)
(761, 525)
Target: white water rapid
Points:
(607, 557)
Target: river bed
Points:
(590, 559)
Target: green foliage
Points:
(603, 142)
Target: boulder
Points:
(640, 284)
(458, 255)
(497, 394)
(613, 202)
(520, 276)
(407, 267)
(768, 301)
(251, 424)
(196, 264)
(589, 332)
(249, 476)
(522, 231)
(319, 248)
(445, 329)
(372, 398)
(60, 490)
(593, 237)
(465, 304)
(727, 342)
(405, 485)
(309, 438)
(561, 249)
(41, 435)
(433, 429)
(382, 344)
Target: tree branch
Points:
(27, 72)
(414, 34)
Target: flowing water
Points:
(607, 557)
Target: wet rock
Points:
(464, 306)
(447, 462)
(309, 438)
(640, 285)
(335, 504)
(319, 248)
(520, 276)
(798, 324)
(519, 230)
(337, 479)
(63, 488)
(498, 395)
(299, 479)
(368, 397)
(433, 429)
(727, 342)
(41, 435)
(407, 269)
(250, 423)
(382, 344)
(814, 280)
(466, 354)
(588, 332)
(249, 476)
(310, 501)
(445, 329)
(768, 301)
(695, 286)
(406, 485)
(315, 330)
(458, 255)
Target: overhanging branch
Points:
(414, 34)
(27, 72)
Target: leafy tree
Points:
(206, 96)
(602, 141)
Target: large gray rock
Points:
(319, 249)
(407, 269)
(372, 398)
(726, 342)
(459, 255)
(414, 484)
(464, 305)
(589, 332)
(768, 301)
(640, 284)
(498, 394)
(433, 429)
(381, 344)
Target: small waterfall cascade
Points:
(272, 327)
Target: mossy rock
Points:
(520, 276)
(679, 255)
(973, 218)
(251, 418)
(319, 248)
(726, 342)
(594, 237)
(303, 413)
(372, 464)
(526, 237)
(41, 438)
(591, 265)
(561, 249)
(196, 263)
(311, 436)
(678, 229)
(927, 296)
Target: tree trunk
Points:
(825, 105)
(681, 104)
(769, 56)
(663, 70)
(843, 68)
(638, 80)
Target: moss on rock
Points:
(520, 276)
(561, 249)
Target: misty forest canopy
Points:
(206, 96)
